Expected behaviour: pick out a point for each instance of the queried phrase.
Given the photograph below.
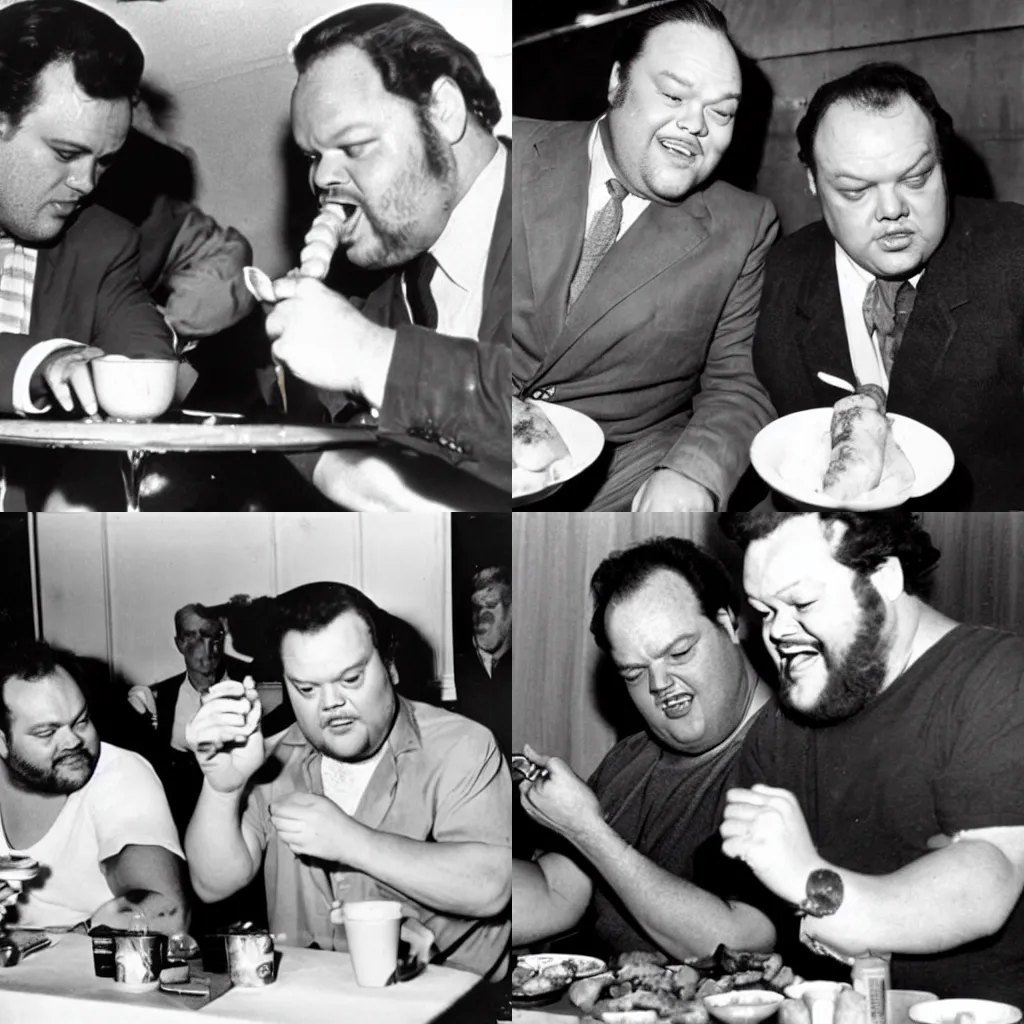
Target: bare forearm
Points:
(939, 902)
(456, 878)
(218, 859)
(539, 909)
(678, 916)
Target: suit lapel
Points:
(820, 338)
(660, 237)
(554, 205)
(45, 311)
(932, 326)
(498, 257)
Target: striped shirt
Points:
(17, 280)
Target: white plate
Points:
(586, 966)
(792, 453)
(944, 1011)
(584, 439)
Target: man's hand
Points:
(765, 827)
(312, 826)
(325, 341)
(142, 700)
(162, 914)
(225, 734)
(562, 801)
(665, 490)
(67, 376)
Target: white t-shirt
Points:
(345, 782)
(122, 804)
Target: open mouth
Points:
(339, 724)
(684, 150)
(677, 705)
(795, 659)
(896, 240)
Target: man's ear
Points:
(392, 670)
(726, 618)
(888, 579)
(448, 109)
(811, 183)
(4, 747)
(178, 642)
(614, 81)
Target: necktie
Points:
(887, 308)
(600, 238)
(418, 275)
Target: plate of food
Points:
(550, 444)
(853, 455)
(541, 978)
(644, 988)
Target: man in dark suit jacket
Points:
(656, 345)
(876, 146)
(69, 284)
(406, 166)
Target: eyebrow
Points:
(362, 663)
(668, 647)
(687, 84)
(81, 148)
(57, 725)
(916, 164)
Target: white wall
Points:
(225, 64)
(109, 583)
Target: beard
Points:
(65, 775)
(855, 677)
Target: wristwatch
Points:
(824, 894)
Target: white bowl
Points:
(749, 1007)
(584, 439)
(792, 453)
(984, 1011)
(136, 390)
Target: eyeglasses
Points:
(191, 634)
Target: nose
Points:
(327, 171)
(332, 695)
(657, 679)
(779, 626)
(82, 178)
(890, 204)
(70, 741)
(692, 120)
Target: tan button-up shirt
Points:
(441, 779)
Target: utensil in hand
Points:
(836, 382)
(259, 284)
(524, 770)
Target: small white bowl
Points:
(749, 1007)
(135, 390)
(984, 1011)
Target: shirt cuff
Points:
(27, 367)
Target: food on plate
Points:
(794, 1011)
(863, 448)
(537, 448)
(539, 975)
(645, 983)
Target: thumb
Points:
(542, 759)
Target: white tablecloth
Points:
(313, 987)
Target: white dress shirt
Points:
(462, 250)
(598, 196)
(865, 354)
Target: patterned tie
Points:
(600, 238)
(418, 275)
(887, 308)
(17, 281)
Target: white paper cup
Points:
(371, 928)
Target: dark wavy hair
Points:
(410, 52)
(314, 606)
(690, 12)
(34, 34)
(869, 539)
(28, 660)
(877, 86)
(624, 572)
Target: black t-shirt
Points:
(939, 751)
(663, 804)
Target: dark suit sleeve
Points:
(731, 406)
(448, 397)
(127, 322)
(12, 348)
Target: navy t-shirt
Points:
(939, 751)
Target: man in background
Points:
(483, 676)
(396, 118)
(638, 275)
(666, 612)
(91, 814)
